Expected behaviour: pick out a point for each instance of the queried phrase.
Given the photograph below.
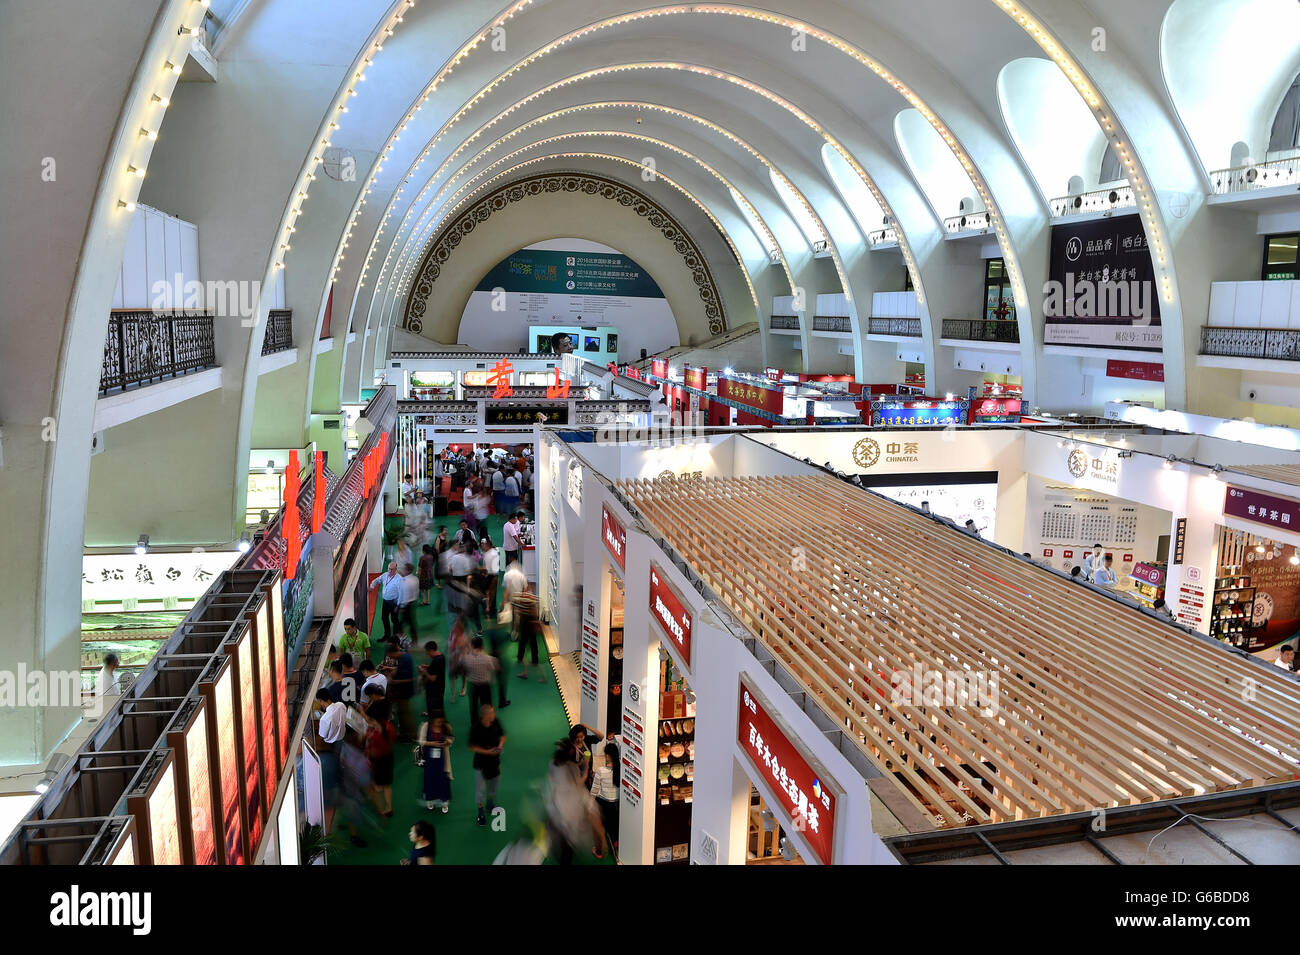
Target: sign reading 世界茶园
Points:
(1251, 505)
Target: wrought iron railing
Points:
(886, 236)
(968, 222)
(904, 327)
(1258, 175)
(144, 346)
(981, 330)
(279, 331)
(1282, 344)
(1099, 200)
(788, 322)
(832, 323)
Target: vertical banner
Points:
(318, 499)
(290, 526)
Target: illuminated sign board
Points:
(668, 610)
(919, 414)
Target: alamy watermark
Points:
(1092, 298)
(51, 688)
(231, 299)
(621, 427)
(928, 686)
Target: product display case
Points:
(675, 766)
(614, 683)
(1233, 607)
(1148, 583)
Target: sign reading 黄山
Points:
(1101, 290)
(670, 613)
(804, 794)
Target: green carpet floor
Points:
(533, 722)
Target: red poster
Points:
(199, 784)
(318, 501)
(752, 395)
(1135, 370)
(614, 536)
(995, 410)
(670, 613)
(659, 367)
(806, 798)
(774, 374)
(696, 378)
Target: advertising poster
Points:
(266, 694)
(224, 765)
(919, 414)
(198, 789)
(164, 819)
(554, 287)
(297, 597)
(1275, 615)
(249, 740)
(1101, 290)
(755, 396)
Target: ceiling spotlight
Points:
(1169, 462)
(245, 542)
(1215, 472)
(728, 370)
(142, 545)
(1294, 559)
(270, 467)
(52, 770)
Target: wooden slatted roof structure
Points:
(1096, 705)
(1282, 473)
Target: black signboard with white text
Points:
(1102, 290)
(527, 415)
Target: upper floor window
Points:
(998, 302)
(1280, 256)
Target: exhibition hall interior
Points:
(595, 433)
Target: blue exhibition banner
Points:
(919, 414)
(570, 273)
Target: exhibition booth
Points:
(719, 668)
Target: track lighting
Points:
(142, 545)
(245, 542)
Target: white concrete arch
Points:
(1051, 125)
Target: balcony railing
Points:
(981, 330)
(145, 346)
(888, 236)
(832, 323)
(1281, 344)
(901, 327)
(1099, 200)
(787, 322)
(279, 331)
(969, 222)
(1258, 175)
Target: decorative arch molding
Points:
(450, 237)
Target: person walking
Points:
(480, 669)
(510, 492)
(440, 545)
(436, 739)
(605, 788)
(379, 739)
(427, 571)
(410, 596)
(423, 844)
(389, 586)
(498, 490)
(486, 741)
(108, 681)
(491, 558)
(528, 625)
(400, 669)
(510, 538)
(433, 677)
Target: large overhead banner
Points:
(564, 288)
(1101, 290)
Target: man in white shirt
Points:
(108, 679)
(498, 488)
(491, 558)
(407, 487)
(1104, 576)
(406, 603)
(372, 677)
(389, 586)
(1285, 658)
(1092, 563)
(510, 492)
(510, 534)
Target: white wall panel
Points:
(1249, 296)
(135, 284)
(155, 254)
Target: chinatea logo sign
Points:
(670, 613)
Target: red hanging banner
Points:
(318, 499)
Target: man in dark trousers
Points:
(389, 586)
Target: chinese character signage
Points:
(659, 367)
(526, 416)
(753, 395)
(1135, 370)
(1151, 575)
(1102, 289)
(807, 796)
(696, 378)
(1261, 508)
(671, 614)
(110, 578)
(614, 536)
(995, 410)
(919, 414)
(773, 374)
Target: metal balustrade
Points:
(145, 346)
(967, 222)
(900, 327)
(1098, 200)
(788, 322)
(832, 323)
(981, 330)
(1280, 344)
(887, 236)
(279, 331)
(1258, 175)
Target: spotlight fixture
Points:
(1169, 462)
(52, 770)
(270, 467)
(1215, 472)
(245, 542)
(142, 545)
(1259, 548)
(1294, 559)
(1125, 454)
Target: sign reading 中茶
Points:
(803, 793)
(671, 614)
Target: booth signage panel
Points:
(659, 367)
(696, 378)
(526, 415)
(153, 576)
(614, 536)
(1145, 572)
(670, 613)
(1180, 541)
(802, 792)
(919, 414)
(996, 410)
(1135, 370)
(1260, 508)
(633, 756)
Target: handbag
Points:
(507, 615)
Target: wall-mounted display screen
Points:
(476, 379)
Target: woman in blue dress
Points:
(436, 738)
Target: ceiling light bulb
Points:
(142, 545)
